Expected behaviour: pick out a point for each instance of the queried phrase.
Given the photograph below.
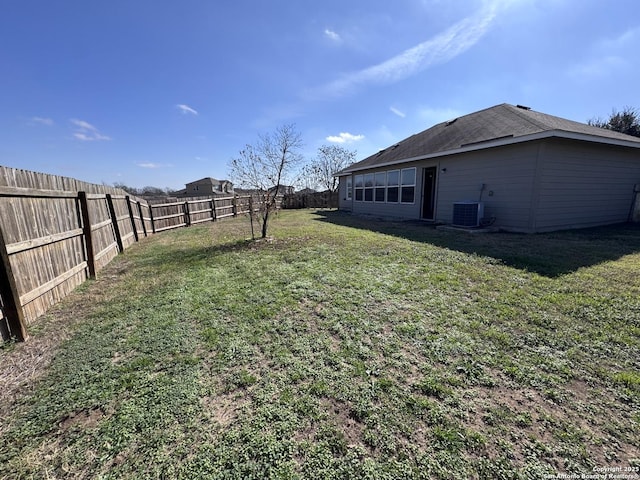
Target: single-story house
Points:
(506, 166)
(205, 187)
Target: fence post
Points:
(86, 233)
(144, 226)
(153, 223)
(234, 204)
(114, 221)
(213, 209)
(133, 220)
(187, 215)
(11, 306)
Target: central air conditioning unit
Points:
(467, 214)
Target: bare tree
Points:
(330, 159)
(265, 167)
(627, 121)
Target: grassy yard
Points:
(340, 348)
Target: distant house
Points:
(205, 187)
(306, 191)
(508, 166)
(286, 190)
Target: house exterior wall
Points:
(201, 187)
(344, 203)
(585, 184)
(507, 174)
(209, 186)
(537, 186)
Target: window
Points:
(368, 187)
(359, 186)
(393, 180)
(380, 179)
(392, 186)
(349, 187)
(408, 189)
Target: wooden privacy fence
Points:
(53, 239)
(303, 199)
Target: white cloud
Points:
(440, 49)
(186, 109)
(397, 112)
(86, 132)
(333, 36)
(40, 121)
(148, 165)
(344, 137)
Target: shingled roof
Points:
(498, 125)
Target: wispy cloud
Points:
(397, 112)
(86, 132)
(333, 36)
(186, 109)
(41, 121)
(440, 49)
(608, 56)
(598, 66)
(628, 38)
(153, 165)
(344, 137)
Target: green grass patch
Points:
(340, 348)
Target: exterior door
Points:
(428, 192)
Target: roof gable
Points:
(483, 129)
(208, 181)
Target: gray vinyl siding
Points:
(507, 172)
(584, 185)
(537, 186)
(343, 203)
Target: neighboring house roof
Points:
(209, 180)
(499, 125)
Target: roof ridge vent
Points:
(523, 107)
(450, 122)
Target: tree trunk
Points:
(265, 219)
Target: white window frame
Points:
(368, 178)
(393, 185)
(382, 186)
(358, 189)
(408, 185)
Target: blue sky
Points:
(156, 92)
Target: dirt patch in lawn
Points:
(224, 408)
(84, 419)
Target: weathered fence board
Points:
(225, 207)
(42, 243)
(55, 232)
